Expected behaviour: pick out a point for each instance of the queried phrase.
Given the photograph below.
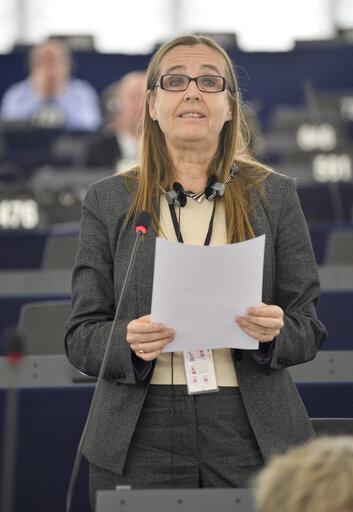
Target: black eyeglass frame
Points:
(160, 84)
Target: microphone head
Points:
(143, 221)
(12, 345)
(209, 189)
(181, 199)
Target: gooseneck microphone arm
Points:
(143, 221)
(13, 350)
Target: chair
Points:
(326, 201)
(21, 249)
(340, 247)
(42, 325)
(11, 305)
(60, 252)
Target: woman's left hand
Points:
(262, 322)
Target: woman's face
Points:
(191, 119)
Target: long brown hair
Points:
(156, 168)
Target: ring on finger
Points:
(267, 331)
(141, 351)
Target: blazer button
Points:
(121, 375)
(238, 354)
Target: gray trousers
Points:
(187, 441)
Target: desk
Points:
(335, 312)
(50, 424)
(176, 500)
(14, 283)
(51, 421)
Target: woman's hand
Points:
(262, 322)
(147, 339)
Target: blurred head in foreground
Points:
(316, 477)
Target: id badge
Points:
(199, 371)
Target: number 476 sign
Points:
(18, 214)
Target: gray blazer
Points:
(274, 407)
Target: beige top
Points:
(194, 220)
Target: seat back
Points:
(42, 325)
(60, 252)
(340, 247)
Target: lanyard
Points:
(177, 225)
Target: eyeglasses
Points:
(205, 83)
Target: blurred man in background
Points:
(123, 104)
(50, 97)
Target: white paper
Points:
(199, 290)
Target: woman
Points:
(148, 432)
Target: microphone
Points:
(213, 189)
(143, 221)
(177, 195)
(13, 346)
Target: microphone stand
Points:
(13, 353)
(101, 373)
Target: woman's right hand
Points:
(147, 338)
